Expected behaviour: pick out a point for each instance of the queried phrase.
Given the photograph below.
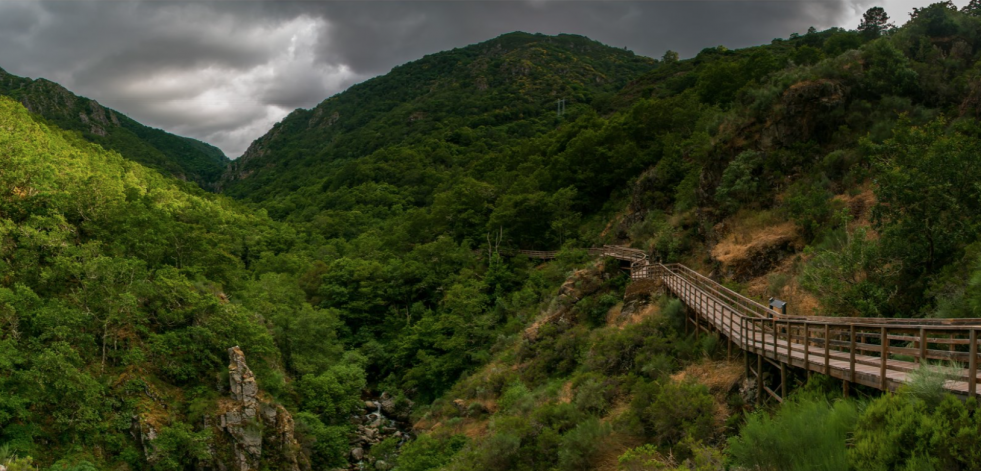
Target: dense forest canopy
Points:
(361, 247)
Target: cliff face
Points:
(251, 430)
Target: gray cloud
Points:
(225, 71)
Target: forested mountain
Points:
(177, 156)
(367, 253)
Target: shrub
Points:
(594, 393)
(580, 446)
(894, 430)
(326, 445)
(740, 181)
(517, 398)
(426, 452)
(670, 411)
(927, 383)
(807, 432)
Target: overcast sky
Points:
(225, 71)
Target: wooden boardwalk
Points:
(875, 352)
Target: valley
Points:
(401, 277)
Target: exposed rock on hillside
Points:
(580, 284)
(804, 112)
(252, 428)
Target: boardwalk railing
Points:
(876, 352)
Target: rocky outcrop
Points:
(255, 429)
(804, 113)
(639, 295)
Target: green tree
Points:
(874, 23)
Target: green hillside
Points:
(365, 268)
(177, 156)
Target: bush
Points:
(902, 431)
(927, 383)
(427, 452)
(594, 393)
(894, 430)
(580, 446)
(807, 432)
(670, 411)
(327, 446)
(517, 398)
(740, 181)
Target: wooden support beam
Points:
(759, 377)
(783, 380)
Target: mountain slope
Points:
(509, 84)
(181, 157)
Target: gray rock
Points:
(357, 454)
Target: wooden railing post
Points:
(775, 338)
(807, 348)
(729, 336)
(790, 354)
(884, 340)
(972, 369)
(851, 354)
(827, 349)
(923, 347)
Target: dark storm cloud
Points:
(225, 71)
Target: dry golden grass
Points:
(614, 313)
(800, 301)
(744, 243)
(566, 395)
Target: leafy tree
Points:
(973, 8)
(670, 57)
(874, 23)
(178, 447)
(807, 55)
(928, 205)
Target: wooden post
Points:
(783, 381)
(790, 354)
(807, 349)
(774, 338)
(923, 347)
(728, 339)
(972, 369)
(827, 349)
(851, 353)
(884, 340)
(845, 388)
(746, 364)
(759, 378)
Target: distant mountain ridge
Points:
(177, 156)
(511, 78)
